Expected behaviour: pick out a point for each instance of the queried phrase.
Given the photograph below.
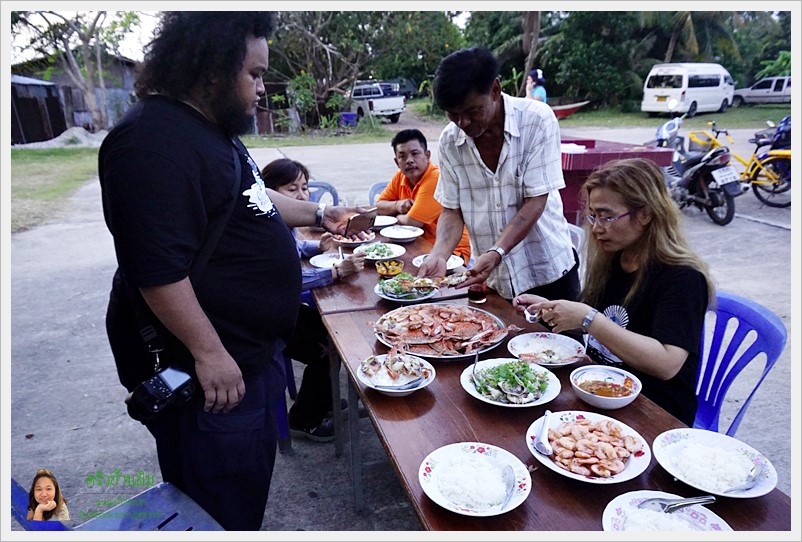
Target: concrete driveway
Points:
(67, 411)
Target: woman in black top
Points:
(645, 292)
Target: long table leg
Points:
(339, 422)
(356, 449)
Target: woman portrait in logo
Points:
(45, 501)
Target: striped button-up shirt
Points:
(529, 166)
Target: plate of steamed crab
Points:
(546, 349)
(510, 382)
(591, 447)
(441, 330)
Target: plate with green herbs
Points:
(510, 382)
(380, 251)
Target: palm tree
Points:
(693, 34)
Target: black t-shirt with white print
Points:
(670, 308)
(166, 175)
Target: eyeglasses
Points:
(603, 221)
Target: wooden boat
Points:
(566, 110)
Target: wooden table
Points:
(412, 427)
(355, 293)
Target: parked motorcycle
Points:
(703, 179)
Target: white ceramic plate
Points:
(401, 233)
(435, 463)
(552, 390)
(427, 368)
(397, 250)
(698, 517)
(534, 343)
(325, 260)
(345, 243)
(452, 263)
(499, 325)
(382, 221)
(636, 464)
(669, 444)
(419, 297)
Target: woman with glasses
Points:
(645, 292)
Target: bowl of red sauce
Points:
(605, 387)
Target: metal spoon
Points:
(340, 249)
(542, 441)
(473, 370)
(531, 318)
(659, 504)
(508, 475)
(751, 480)
(408, 386)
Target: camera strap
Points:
(142, 314)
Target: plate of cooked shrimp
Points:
(591, 447)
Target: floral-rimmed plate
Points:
(433, 468)
(416, 295)
(372, 255)
(546, 349)
(348, 243)
(428, 372)
(698, 517)
(635, 465)
(668, 445)
(551, 392)
(452, 263)
(325, 260)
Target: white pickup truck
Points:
(771, 90)
(369, 99)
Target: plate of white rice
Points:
(466, 478)
(712, 462)
(623, 514)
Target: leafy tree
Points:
(77, 43)
(693, 36)
(761, 37)
(412, 45)
(597, 56)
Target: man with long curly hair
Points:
(224, 307)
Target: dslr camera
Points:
(167, 387)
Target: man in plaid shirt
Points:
(500, 175)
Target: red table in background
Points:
(578, 165)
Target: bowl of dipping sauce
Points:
(605, 387)
(389, 268)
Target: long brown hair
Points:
(640, 184)
(59, 498)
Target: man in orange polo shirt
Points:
(410, 194)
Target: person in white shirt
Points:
(500, 175)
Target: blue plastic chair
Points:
(318, 189)
(714, 379)
(375, 190)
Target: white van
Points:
(698, 87)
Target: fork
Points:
(340, 250)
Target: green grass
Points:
(740, 117)
(423, 106)
(42, 179)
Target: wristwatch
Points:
(321, 208)
(588, 319)
(498, 250)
